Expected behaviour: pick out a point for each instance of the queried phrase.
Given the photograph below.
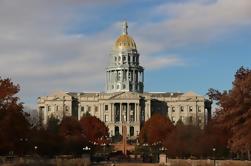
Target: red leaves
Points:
(235, 111)
(70, 126)
(156, 129)
(13, 121)
(7, 92)
(94, 129)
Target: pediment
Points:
(57, 99)
(190, 94)
(58, 94)
(125, 95)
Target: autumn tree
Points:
(184, 141)
(72, 135)
(214, 136)
(234, 112)
(156, 129)
(14, 126)
(94, 129)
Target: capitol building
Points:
(125, 101)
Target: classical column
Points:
(120, 112)
(128, 111)
(139, 113)
(136, 112)
(136, 76)
(79, 111)
(146, 112)
(112, 112)
(107, 79)
(46, 115)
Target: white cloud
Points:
(36, 51)
(153, 63)
(195, 21)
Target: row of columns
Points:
(136, 110)
(136, 75)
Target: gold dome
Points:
(125, 41)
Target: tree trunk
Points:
(249, 156)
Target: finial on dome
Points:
(124, 28)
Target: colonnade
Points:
(125, 112)
(134, 75)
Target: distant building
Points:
(125, 99)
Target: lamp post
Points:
(145, 152)
(214, 149)
(23, 143)
(86, 149)
(35, 149)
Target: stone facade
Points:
(132, 107)
(125, 100)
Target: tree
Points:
(53, 125)
(156, 129)
(184, 141)
(71, 133)
(234, 112)
(214, 136)
(94, 129)
(14, 126)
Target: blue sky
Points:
(185, 45)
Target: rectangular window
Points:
(106, 107)
(82, 108)
(132, 116)
(96, 109)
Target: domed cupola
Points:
(124, 72)
(124, 41)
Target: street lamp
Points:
(23, 143)
(35, 149)
(214, 149)
(86, 149)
